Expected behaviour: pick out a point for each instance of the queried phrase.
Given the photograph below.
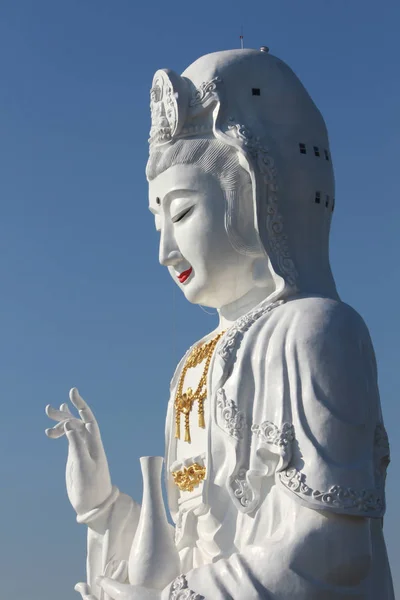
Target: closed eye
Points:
(183, 214)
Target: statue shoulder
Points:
(314, 320)
(327, 327)
(325, 343)
(318, 338)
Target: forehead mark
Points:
(175, 193)
(170, 196)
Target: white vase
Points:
(153, 560)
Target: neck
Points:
(229, 313)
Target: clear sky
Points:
(83, 300)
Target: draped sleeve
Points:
(317, 408)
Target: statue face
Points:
(189, 209)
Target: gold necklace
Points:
(184, 401)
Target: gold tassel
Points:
(177, 425)
(187, 428)
(202, 422)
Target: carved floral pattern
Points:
(171, 103)
(235, 333)
(266, 165)
(180, 590)
(204, 92)
(233, 419)
(243, 491)
(363, 501)
(271, 434)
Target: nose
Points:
(169, 254)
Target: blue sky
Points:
(83, 300)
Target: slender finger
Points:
(65, 408)
(82, 588)
(56, 432)
(93, 440)
(85, 412)
(124, 591)
(57, 415)
(121, 572)
(107, 571)
(110, 568)
(115, 589)
(74, 424)
(76, 441)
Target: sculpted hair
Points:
(221, 161)
(211, 155)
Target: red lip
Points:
(185, 275)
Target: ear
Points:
(261, 274)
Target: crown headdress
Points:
(177, 107)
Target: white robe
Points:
(295, 438)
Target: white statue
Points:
(276, 451)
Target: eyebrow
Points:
(171, 196)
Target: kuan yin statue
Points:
(276, 452)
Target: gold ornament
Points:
(189, 477)
(184, 401)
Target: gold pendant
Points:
(183, 405)
(189, 477)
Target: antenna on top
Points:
(241, 38)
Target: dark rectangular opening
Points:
(317, 197)
(303, 149)
(256, 92)
(316, 151)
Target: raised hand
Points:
(87, 474)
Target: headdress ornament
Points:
(176, 105)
